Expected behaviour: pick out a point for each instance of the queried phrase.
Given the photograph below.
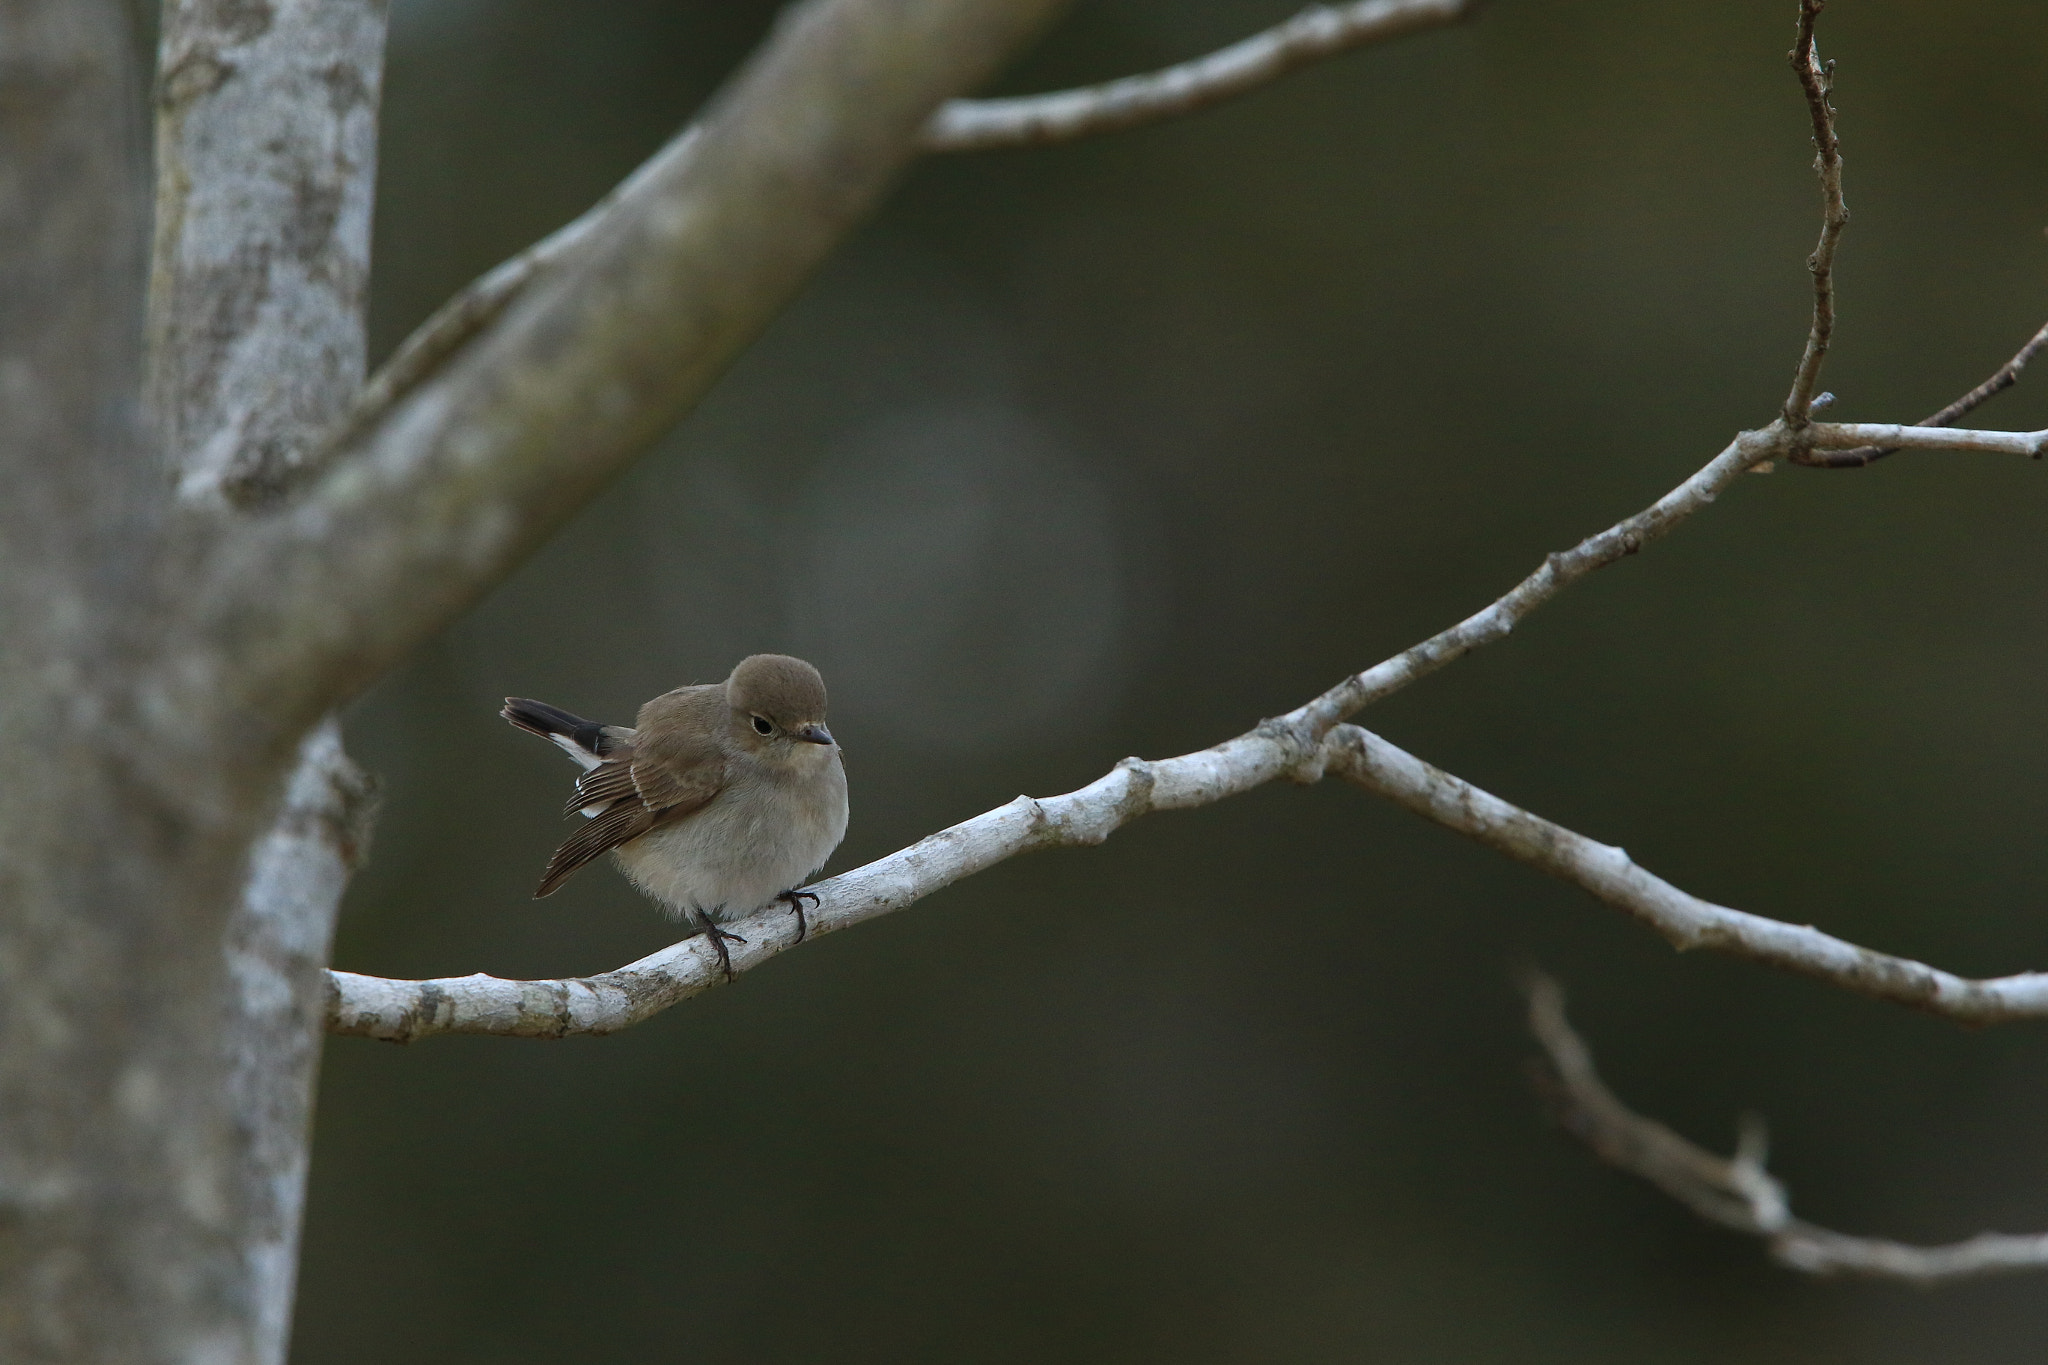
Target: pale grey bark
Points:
(1685, 920)
(116, 1180)
(276, 953)
(266, 165)
(1852, 435)
(266, 140)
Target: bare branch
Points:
(405, 1010)
(468, 472)
(401, 1011)
(1818, 82)
(1318, 32)
(1858, 434)
(1738, 1192)
(1292, 745)
(1688, 922)
(1298, 745)
(2004, 378)
(959, 125)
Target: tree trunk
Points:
(177, 823)
(266, 150)
(118, 857)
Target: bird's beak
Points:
(815, 734)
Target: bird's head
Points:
(778, 708)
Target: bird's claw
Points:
(719, 937)
(795, 901)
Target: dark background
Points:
(1115, 448)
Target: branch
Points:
(474, 307)
(436, 501)
(1317, 32)
(958, 125)
(1290, 745)
(1861, 434)
(1686, 921)
(2004, 378)
(1300, 745)
(402, 1011)
(1817, 81)
(1737, 1192)
(277, 948)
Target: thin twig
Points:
(1818, 83)
(1317, 32)
(1738, 1192)
(2006, 376)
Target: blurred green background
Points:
(1115, 448)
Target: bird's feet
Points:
(795, 901)
(719, 937)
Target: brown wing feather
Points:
(601, 786)
(621, 824)
(638, 788)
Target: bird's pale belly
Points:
(735, 856)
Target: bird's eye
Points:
(762, 727)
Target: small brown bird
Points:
(721, 799)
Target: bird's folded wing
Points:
(625, 797)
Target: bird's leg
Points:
(795, 901)
(718, 939)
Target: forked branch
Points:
(2001, 379)
(960, 125)
(420, 511)
(1738, 1192)
(401, 1011)
(1303, 745)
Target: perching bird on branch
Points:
(721, 799)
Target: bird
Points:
(721, 799)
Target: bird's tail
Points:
(586, 741)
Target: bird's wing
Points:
(626, 796)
